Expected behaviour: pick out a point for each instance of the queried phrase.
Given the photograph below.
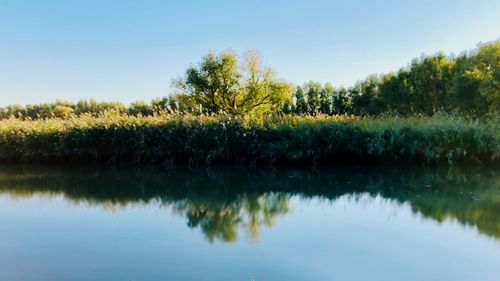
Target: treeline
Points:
(65, 109)
(468, 84)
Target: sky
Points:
(132, 50)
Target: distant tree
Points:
(63, 111)
(15, 110)
(181, 103)
(396, 93)
(300, 101)
(95, 108)
(429, 81)
(160, 104)
(487, 72)
(326, 99)
(313, 98)
(3, 113)
(359, 100)
(341, 102)
(370, 89)
(219, 85)
(312, 91)
(140, 108)
(465, 95)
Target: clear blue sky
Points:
(131, 50)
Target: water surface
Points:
(352, 223)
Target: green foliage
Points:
(140, 108)
(61, 111)
(468, 84)
(219, 85)
(202, 140)
(486, 70)
(95, 108)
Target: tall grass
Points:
(202, 140)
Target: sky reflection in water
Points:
(270, 224)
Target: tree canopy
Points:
(221, 84)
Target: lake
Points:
(336, 223)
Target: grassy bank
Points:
(172, 139)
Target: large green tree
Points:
(221, 84)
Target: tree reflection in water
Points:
(221, 221)
(222, 202)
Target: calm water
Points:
(249, 224)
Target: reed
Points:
(169, 139)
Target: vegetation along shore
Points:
(438, 109)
